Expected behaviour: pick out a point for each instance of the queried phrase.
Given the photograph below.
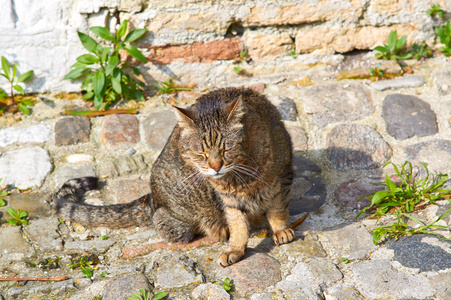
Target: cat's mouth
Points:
(216, 174)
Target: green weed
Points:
(435, 10)
(444, 34)
(106, 81)
(84, 264)
(421, 51)
(345, 260)
(144, 295)
(403, 198)
(3, 193)
(169, 87)
(394, 49)
(227, 284)
(19, 217)
(10, 73)
(377, 73)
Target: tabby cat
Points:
(227, 163)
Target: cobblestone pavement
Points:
(343, 133)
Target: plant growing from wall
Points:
(10, 72)
(394, 49)
(107, 79)
(435, 10)
(444, 34)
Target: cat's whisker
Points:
(240, 178)
(182, 185)
(198, 181)
(252, 173)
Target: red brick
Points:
(120, 130)
(205, 52)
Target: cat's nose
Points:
(216, 164)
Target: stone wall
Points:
(198, 40)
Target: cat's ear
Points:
(183, 114)
(235, 109)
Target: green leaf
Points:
(116, 81)
(87, 272)
(22, 214)
(401, 42)
(25, 76)
(159, 296)
(12, 221)
(392, 39)
(121, 31)
(23, 221)
(27, 102)
(98, 82)
(379, 196)
(105, 52)
(102, 32)
(6, 68)
(98, 100)
(24, 109)
(390, 184)
(11, 212)
(135, 34)
(14, 72)
(88, 59)
(88, 95)
(112, 63)
(75, 73)
(133, 51)
(19, 89)
(88, 42)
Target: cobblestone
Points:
(407, 116)
(342, 132)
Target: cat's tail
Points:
(68, 204)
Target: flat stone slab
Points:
(255, 272)
(349, 193)
(397, 83)
(120, 130)
(72, 130)
(408, 116)
(352, 242)
(286, 107)
(124, 286)
(298, 138)
(424, 252)
(34, 203)
(175, 270)
(308, 192)
(93, 246)
(356, 147)
(328, 104)
(379, 280)
(158, 127)
(43, 233)
(12, 244)
(45, 288)
(436, 154)
(70, 172)
(24, 168)
(31, 134)
(307, 280)
(210, 291)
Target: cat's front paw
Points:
(229, 256)
(283, 236)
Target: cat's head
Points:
(211, 136)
